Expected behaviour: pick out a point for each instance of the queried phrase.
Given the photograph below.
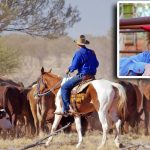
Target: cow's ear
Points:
(42, 70)
(50, 70)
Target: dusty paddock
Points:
(91, 140)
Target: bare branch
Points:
(47, 18)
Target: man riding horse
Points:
(86, 63)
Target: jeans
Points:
(66, 90)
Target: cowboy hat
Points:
(81, 40)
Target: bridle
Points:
(48, 91)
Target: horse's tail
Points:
(122, 100)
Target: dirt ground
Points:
(91, 140)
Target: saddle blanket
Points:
(78, 98)
(77, 94)
(79, 88)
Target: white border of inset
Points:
(118, 76)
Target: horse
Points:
(145, 88)
(134, 104)
(25, 119)
(105, 97)
(41, 108)
(45, 113)
(8, 82)
(10, 101)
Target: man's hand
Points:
(67, 72)
(147, 70)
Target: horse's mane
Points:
(52, 75)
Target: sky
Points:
(96, 17)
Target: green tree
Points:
(9, 59)
(127, 10)
(47, 18)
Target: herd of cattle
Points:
(18, 108)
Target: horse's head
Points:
(42, 81)
(46, 81)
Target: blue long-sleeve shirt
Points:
(134, 65)
(85, 62)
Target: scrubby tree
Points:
(9, 59)
(47, 18)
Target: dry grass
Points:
(68, 141)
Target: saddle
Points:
(78, 93)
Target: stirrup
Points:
(68, 113)
(65, 114)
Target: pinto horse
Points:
(105, 97)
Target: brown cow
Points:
(145, 87)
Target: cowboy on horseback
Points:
(85, 61)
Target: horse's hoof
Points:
(41, 134)
(78, 145)
(146, 133)
(121, 145)
(46, 144)
(100, 147)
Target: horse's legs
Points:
(117, 129)
(34, 114)
(27, 126)
(57, 118)
(54, 127)
(41, 117)
(14, 124)
(103, 116)
(117, 122)
(124, 127)
(105, 104)
(79, 130)
(43, 112)
(146, 113)
(146, 121)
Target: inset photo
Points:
(133, 39)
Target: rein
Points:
(50, 90)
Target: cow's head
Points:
(5, 122)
